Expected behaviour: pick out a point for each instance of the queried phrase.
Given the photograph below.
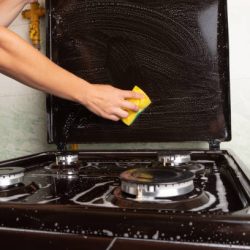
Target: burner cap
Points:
(156, 183)
(66, 166)
(11, 176)
(67, 159)
(175, 160)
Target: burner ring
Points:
(194, 168)
(10, 176)
(63, 170)
(156, 183)
(187, 202)
(156, 176)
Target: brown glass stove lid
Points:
(176, 51)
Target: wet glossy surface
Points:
(98, 179)
(177, 51)
(84, 207)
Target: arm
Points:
(9, 9)
(24, 63)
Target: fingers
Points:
(109, 102)
(120, 113)
(132, 95)
(115, 115)
(113, 118)
(129, 106)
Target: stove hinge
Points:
(214, 145)
(61, 147)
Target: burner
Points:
(11, 184)
(196, 198)
(10, 176)
(174, 160)
(17, 191)
(66, 160)
(65, 165)
(156, 183)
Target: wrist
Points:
(80, 92)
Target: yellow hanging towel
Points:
(141, 103)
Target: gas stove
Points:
(149, 197)
(177, 52)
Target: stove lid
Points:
(176, 51)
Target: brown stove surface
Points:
(107, 180)
(91, 203)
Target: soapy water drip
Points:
(68, 124)
(14, 197)
(102, 197)
(221, 192)
(48, 201)
(211, 201)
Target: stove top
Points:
(118, 182)
(176, 197)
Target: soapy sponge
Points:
(141, 103)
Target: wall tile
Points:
(10, 87)
(22, 30)
(240, 105)
(23, 125)
(239, 20)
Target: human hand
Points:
(109, 102)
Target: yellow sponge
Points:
(141, 103)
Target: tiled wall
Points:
(22, 110)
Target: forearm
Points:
(9, 9)
(24, 63)
(21, 61)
